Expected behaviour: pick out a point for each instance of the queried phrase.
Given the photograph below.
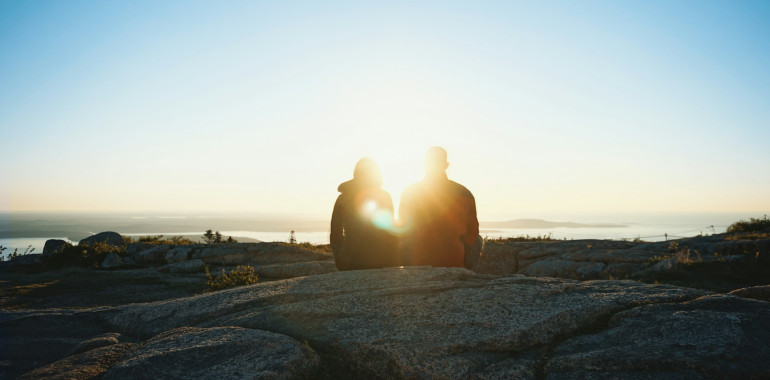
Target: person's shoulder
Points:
(460, 189)
(381, 194)
(411, 188)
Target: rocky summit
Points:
(416, 322)
(529, 310)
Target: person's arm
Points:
(472, 224)
(337, 235)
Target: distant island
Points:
(540, 223)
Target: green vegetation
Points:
(241, 275)
(752, 225)
(83, 255)
(523, 238)
(211, 237)
(159, 240)
(657, 258)
(323, 248)
(15, 253)
(292, 238)
(749, 236)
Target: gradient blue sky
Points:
(544, 107)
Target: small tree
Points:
(208, 237)
(292, 238)
(217, 237)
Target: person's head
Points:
(435, 162)
(367, 172)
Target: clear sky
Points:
(264, 107)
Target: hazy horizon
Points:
(28, 230)
(557, 108)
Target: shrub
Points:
(673, 247)
(684, 257)
(749, 236)
(241, 275)
(523, 238)
(15, 253)
(211, 237)
(159, 240)
(752, 225)
(658, 258)
(83, 255)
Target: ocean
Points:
(28, 232)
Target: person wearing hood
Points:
(361, 236)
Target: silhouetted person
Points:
(439, 218)
(361, 218)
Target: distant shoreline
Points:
(540, 223)
(34, 228)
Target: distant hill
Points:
(540, 223)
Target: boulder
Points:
(715, 336)
(178, 254)
(219, 352)
(134, 248)
(664, 266)
(53, 246)
(618, 271)
(610, 255)
(296, 269)
(559, 248)
(190, 266)
(153, 255)
(109, 237)
(566, 269)
(497, 258)
(112, 261)
(256, 254)
(591, 271)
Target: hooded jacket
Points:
(359, 237)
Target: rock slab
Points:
(220, 352)
(414, 322)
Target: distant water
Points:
(320, 237)
(22, 245)
(41, 227)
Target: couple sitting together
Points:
(437, 223)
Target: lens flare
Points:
(383, 220)
(370, 207)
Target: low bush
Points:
(657, 258)
(14, 254)
(241, 275)
(211, 237)
(749, 236)
(82, 255)
(752, 225)
(523, 238)
(159, 240)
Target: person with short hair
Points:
(439, 218)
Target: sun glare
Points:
(370, 207)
